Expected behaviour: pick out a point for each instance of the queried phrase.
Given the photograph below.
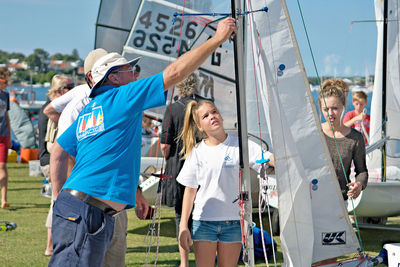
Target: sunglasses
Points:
(69, 86)
(137, 69)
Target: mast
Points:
(238, 45)
(384, 68)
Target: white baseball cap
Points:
(104, 65)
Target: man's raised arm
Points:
(191, 60)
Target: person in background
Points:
(60, 84)
(350, 142)
(147, 136)
(5, 134)
(358, 118)
(105, 136)
(171, 146)
(211, 177)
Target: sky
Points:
(59, 26)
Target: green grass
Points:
(25, 245)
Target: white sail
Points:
(393, 87)
(156, 39)
(114, 23)
(313, 220)
(392, 91)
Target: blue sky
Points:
(62, 25)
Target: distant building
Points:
(60, 65)
(15, 65)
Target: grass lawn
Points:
(25, 245)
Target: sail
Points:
(157, 37)
(313, 219)
(114, 23)
(392, 90)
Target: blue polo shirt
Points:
(106, 140)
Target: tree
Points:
(68, 58)
(19, 56)
(43, 57)
(21, 76)
(34, 61)
(3, 57)
(57, 56)
(75, 54)
(50, 75)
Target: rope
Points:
(148, 240)
(242, 212)
(262, 155)
(265, 178)
(157, 211)
(330, 124)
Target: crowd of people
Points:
(88, 134)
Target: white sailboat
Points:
(381, 198)
(313, 219)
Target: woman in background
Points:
(60, 84)
(350, 142)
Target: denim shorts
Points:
(217, 231)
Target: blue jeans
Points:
(81, 233)
(217, 231)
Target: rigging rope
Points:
(149, 239)
(262, 160)
(330, 124)
(157, 211)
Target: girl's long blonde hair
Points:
(190, 130)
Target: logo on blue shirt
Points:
(90, 123)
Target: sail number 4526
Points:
(162, 34)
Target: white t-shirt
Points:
(216, 170)
(60, 102)
(72, 109)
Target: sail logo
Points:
(334, 238)
(90, 123)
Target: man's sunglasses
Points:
(137, 69)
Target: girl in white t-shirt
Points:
(211, 177)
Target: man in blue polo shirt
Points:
(105, 139)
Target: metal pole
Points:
(384, 68)
(238, 44)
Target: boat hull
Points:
(377, 200)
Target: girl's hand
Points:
(185, 240)
(355, 190)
